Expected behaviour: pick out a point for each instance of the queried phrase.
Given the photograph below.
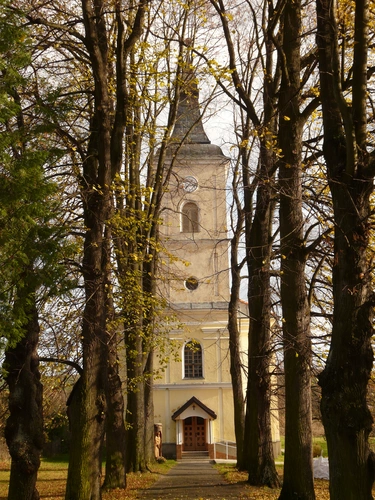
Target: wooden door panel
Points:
(189, 435)
(200, 437)
(194, 434)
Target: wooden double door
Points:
(195, 434)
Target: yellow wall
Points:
(214, 390)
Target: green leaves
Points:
(32, 239)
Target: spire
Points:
(189, 125)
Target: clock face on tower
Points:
(189, 184)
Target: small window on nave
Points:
(193, 367)
(189, 218)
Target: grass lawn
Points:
(320, 443)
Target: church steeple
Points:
(189, 127)
(195, 219)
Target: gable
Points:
(189, 409)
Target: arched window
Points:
(189, 218)
(193, 360)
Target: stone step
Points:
(195, 456)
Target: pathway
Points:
(193, 481)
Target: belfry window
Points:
(193, 367)
(189, 218)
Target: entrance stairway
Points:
(195, 456)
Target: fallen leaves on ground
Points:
(52, 481)
(232, 475)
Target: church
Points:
(193, 399)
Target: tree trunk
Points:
(87, 429)
(258, 433)
(295, 307)
(234, 330)
(149, 436)
(84, 473)
(115, 471)
(236, 367)
(346, 417)
(24, 427)
(135, 412)
(89, 407)
(115, 467)
(140, 413)
(350, 168)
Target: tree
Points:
(103, 160)
(237, 226)
(30, 249)
(350, 172)
(294, 298)
(258, 454)
(138, 213)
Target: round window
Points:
(191, 283)
(189, 184)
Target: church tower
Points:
(195, 210)
(193, 396)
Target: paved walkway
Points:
(193, 481)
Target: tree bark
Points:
(258, 433)
(149, 436)
(87, 429)
(234, 351)
(295, 307)
(234, 314)
(115, 467)
(135, 413)
(24, 427)
(350, 170)
(115, 470)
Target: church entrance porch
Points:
(194, 434)
(194, 431)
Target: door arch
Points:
(194, 433)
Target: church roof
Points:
(194, 401)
